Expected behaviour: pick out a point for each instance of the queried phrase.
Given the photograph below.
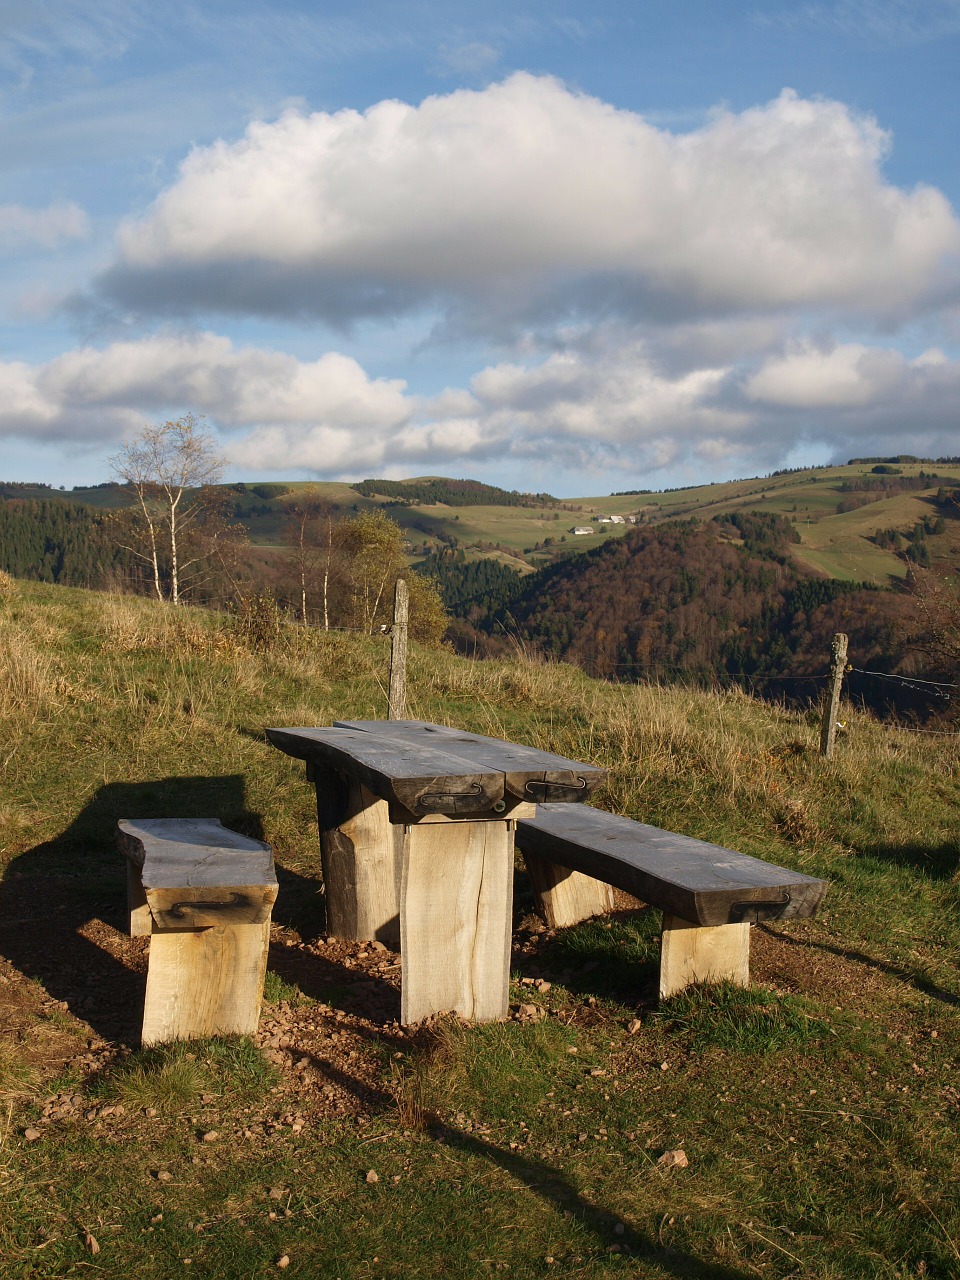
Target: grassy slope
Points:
(818, 1113)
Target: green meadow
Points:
(816, 1112)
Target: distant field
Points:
(839, 545)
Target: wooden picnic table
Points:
(417, 828)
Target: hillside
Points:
(712, 601)
(817, 1111)
(534, 529)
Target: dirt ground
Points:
(71, 995)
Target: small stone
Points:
(633, 1026)
(150, 1113)
(283, 1262)
(276, 1193)
(157, 1217)
(664, 1066)
(674, 1160)
(32, 1135)
(377, 946)
(372, 1176)
(163, 1175)
(211, 1136)
(571, 1049)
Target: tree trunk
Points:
(174, 564)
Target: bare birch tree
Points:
(312, 529)
(169, 467)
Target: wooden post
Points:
(360, 853)
(566, 897)
(204, 982)
(398, 654)
(831, 704)
(702, 953)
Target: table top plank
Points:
(529, 773)
(422, 779)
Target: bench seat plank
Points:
(420, 778)
(529, 773)
(194, 872)
(700, 882)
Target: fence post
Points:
(831, 704)
(398, 654)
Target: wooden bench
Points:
(709, 895)
(204, 895)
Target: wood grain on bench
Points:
(709, 895)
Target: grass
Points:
(742, 1021)
(817, 1110)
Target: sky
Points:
(552, 245)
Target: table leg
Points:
(456, 907)
(360, 855)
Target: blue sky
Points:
(550, 245)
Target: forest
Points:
(452, 493)
(701, 602)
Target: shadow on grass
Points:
(545, 1181)
(937, 862)
(57, 898)
(616, 955)
(924, 985)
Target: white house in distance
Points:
(582, 528)
(612, 520)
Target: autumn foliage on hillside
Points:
(697, 599)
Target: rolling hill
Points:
(836, 538)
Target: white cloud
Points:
(47, 228)
(100, 393)
(851, 376)
(526, 199)
(610, 406)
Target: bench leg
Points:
(564, 897)
(456, 908)
(692, 953)
(361, 865)
(205, 982)
(140, 921)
